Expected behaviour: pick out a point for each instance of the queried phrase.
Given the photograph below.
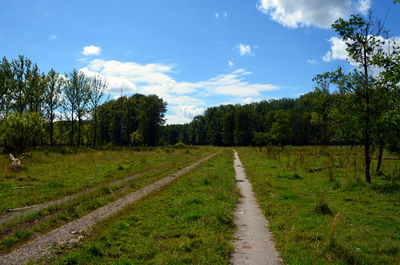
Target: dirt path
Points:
(72, 232)
(253, 241)
(14, 213)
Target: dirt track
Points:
(14, 213)
(253, 241)
(41, 246)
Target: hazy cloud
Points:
(244, 49)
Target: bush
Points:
(180, 145)
(21, 130)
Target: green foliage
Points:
(19, 131)
(136, 138)
(301, 212)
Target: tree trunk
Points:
(95, 127)
(380, 155)
(79, 130)
(72, 129)
(51, 128)
(367, 116)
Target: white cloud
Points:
(176, 119)
(337, 51)
(189, 111)
(52, 37)
(363, 6)
(244, 49)
(223, 14)
(312, 61)
(230, 63)
(319, 13)
(185, 99)
(91, 50)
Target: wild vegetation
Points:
(320, 209)
(38, 109)
(78, 172)
(189, 222)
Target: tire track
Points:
(41, 246)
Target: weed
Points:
(321, 204)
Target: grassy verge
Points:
(54, 173)
(330, 216)
(21, 230)
(189, 222)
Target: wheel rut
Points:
(253, 242)
(42, 245)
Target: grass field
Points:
(13, 234)
(320, 209)
(52, 174)
(301, 205)
(189, 222)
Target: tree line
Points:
(360, 106)
(49, 108)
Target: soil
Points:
(253, 241)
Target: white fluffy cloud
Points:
(319, 13)
(185, 99)
(337, 51)
(244, 49)
(91, 50)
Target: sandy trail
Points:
(253, 241)
(42, 245)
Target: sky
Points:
(193, 54)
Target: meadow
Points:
(320, 208)
(188, 222)
(81, 169)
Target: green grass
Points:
(301, 206)
(188, 222)
(15, 233)
(57, 172)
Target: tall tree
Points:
(361, 38)
(75, 96)
(6, 83)
(21, 69)
(151, 118)
(52, 98)
(321, 100)
(98, 87)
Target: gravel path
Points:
(71, 232)
(253, 241)
(14, 213)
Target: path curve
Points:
(253, 241)
(41, 246)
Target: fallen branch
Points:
(322, 168)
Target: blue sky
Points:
(193, 54)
